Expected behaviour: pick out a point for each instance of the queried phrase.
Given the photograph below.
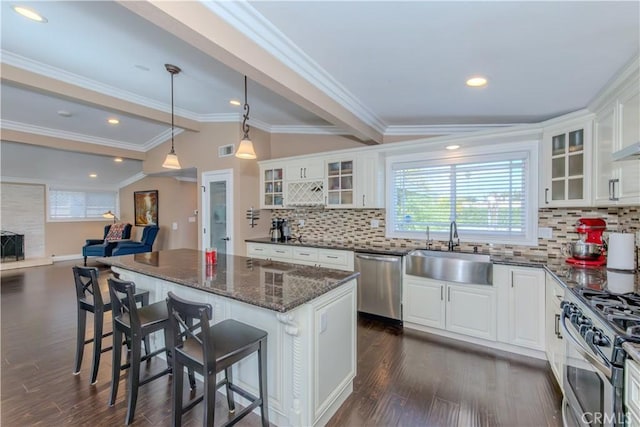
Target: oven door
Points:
(590, 397)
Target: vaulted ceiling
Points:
(368, 69)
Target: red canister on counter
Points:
(211, 256)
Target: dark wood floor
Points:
(404, 378)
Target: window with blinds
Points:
(78, 205)
(486, 195)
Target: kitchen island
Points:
(308, 312)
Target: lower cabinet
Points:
(632, 392)
(521, 305)
(305, 255)
(463, 309)
(555, 345)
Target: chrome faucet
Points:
(453, 234)
(429, 241)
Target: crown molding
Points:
(246, 19)
(309, 130)
(436, 130)
(131, 180)
(161, 138)
(629, 74)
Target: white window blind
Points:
(485, 196)
(73, 205)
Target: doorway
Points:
(217, 211)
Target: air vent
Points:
(226, 150)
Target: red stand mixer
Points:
(589, 250)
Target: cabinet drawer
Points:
(258, 250)
(305, 254)
(281, 252)
(328, 256)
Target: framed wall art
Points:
(145, 205)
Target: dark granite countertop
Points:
(273, 285)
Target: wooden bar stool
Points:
(92, 296)
(135, 325)
(212, 349)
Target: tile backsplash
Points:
(353, 226)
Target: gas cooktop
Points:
(621, 311)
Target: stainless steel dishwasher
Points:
(379, 284)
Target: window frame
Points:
(497, 151)
(115, 209)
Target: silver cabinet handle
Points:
(546, 196)
(363, 200)
(449, 294)
(441, 292)
(612, 190)
(332, 257)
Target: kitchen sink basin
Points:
(456, 267)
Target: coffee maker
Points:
(589, 250)
(275, 232)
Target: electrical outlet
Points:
(375, 223)
(174, 226)
(301, 223)
(545, 232)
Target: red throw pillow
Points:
(115, 232)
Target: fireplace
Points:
(12, 246)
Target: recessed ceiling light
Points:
(477, 81)
(118, 160)
(235, 102)
(452, 147)
(30, 14)
(113, 121)
(64, 113)
(93, 175)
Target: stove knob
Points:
(585, 328)
(600, 339)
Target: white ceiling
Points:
(398, 67)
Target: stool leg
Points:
(134, 377)
(229, 376)
(82, 326)
(262, 372)
(98, 319)
(209, 398)
(176, 391)
(116, 363)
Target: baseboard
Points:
(31, 262)
(58, 258)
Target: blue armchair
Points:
(144, 245)
(103, 247)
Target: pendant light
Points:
(245, 150)
(171, 162)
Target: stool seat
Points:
(135, 324)
(208, 350)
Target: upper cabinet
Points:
(340, 183)
(566, 165)
(369, 180)
(311, 168)
(271, 187)
(304, 184)
(617, 126)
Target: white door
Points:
(217, 211)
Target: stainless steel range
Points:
(595, 323)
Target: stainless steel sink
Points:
(457, 267)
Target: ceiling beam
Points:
(197, 25)
(43, 84)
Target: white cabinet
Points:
(555, 346)
(340, 183)
(369, 180)
(311, 168)
(617, 125)
(632, 391)
(521, 305)
(566, 157)
(463, 309)
(271, 187)
(319, 257)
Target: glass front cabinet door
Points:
(340, 188)
(566, 177)
(272, 196)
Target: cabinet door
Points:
(526, 308)
(305, 169)
(629, 170)
(604, 146)
(566, 180)
(340, 189)
(554, 341)
(424, 302)
(258, 250)
(471, 311)
(271, 187)
(369, 181)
